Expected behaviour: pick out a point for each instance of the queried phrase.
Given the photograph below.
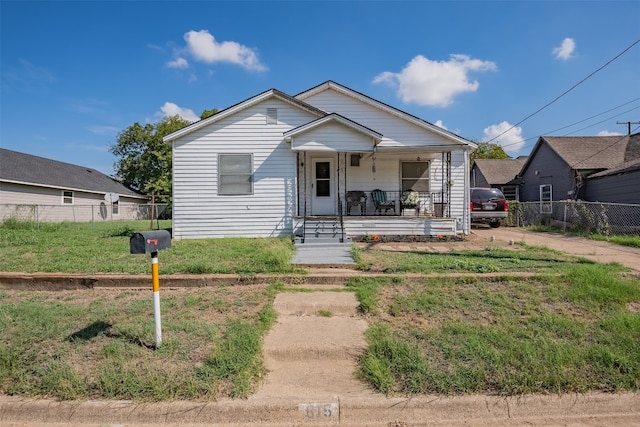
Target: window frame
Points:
(115, 207)
(546, 203)
(221, 191)
(66, 197)
(417, 179)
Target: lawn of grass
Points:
(574, 326)
(103, 247)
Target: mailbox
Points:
(146, 242)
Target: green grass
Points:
(99, 343)
(104, 248)
(489, 260)
(574, 326)
(545, 334)
(622, 240)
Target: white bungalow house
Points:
(308, 165)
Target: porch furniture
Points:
(381, 202)
(410, 200)
(356, 198)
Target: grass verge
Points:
(99, 343)
(576, 332)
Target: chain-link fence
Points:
(579, 216)
(84, 213)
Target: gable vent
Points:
(272, 116)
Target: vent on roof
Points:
(272, 116)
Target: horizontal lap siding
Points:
(333, 137)
(399, 133)
(395, 130)
(199, 212)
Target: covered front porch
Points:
(399, 193)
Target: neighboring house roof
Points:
(626, 167)
(21, 168)
(385, 107)
(584, 152)
(500, 171)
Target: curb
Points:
(347, 410)
(318, 276)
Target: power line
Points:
(567, 91)
(581, 121)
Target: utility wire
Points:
(566, 91)
(581, 121)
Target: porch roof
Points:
(336, 118)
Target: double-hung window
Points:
(67, 197)
(235, 174)
(546, 199)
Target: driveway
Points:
(590, 249)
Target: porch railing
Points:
(430, 204)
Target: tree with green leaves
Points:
(488, 150)
(144, 160)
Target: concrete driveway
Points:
(591, 249)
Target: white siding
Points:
(38, 203)
(333, 137)
(395, 130)
(199, 212)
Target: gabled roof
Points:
(385, 107)
(334, 117)
(500, 171)
(241, 106)
(584, 152)
(21, 168)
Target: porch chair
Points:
(380, 202)
(410, 200)
(356, 198)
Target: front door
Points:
(323, 200)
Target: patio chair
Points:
(356, 198)
(381, 202)
(410, 200)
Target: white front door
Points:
(323, 199)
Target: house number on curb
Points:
(319, 410)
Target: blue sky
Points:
(75, 74)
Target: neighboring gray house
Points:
(277, 165)
(558, 166)
(33, 187)
(499, 173)
(620, 184)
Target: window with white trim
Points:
(67, 197)
(115, 207)
(546, 199)
(415, 176)
(235, 174)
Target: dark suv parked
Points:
(488, 206)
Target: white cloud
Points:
(435, 83)
(512, 140)
(178, 63)
(608, 133)
(169, 109)
(565, 50)
(441, 125)
(204, 47)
